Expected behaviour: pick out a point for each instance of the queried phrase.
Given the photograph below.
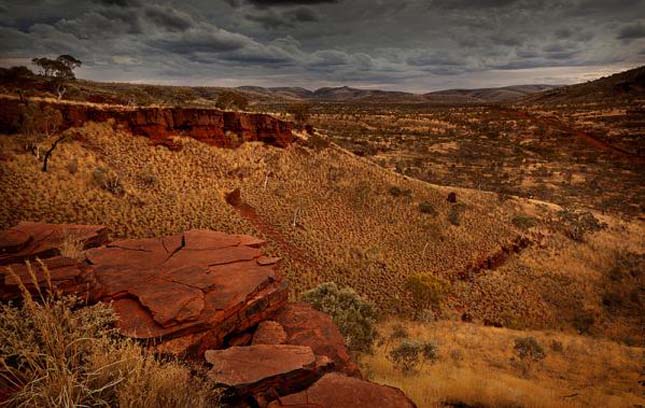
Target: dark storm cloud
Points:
(411, 44)
(271, 19)
(119, 3)
(168, 18)
(471, 4)
(289, 2)
(632, 31)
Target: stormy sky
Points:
(412, 45)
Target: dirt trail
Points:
(558, 123)
(296, 254)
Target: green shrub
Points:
(524, 222)
(409, 353)
(576, 224)
(454, 216)
(355, 317)
(427, 290)
(427, 208)
(396, 191)
(528, 348)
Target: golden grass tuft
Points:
(57, 352)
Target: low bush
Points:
(355, 317)
(427, 208)
(528, 348)
(108, 180)
(427, 290)
(524, 222)
(409, 353)
(576, 224)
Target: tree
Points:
(38, 124)
(59, 71)
(231, 100)
(61, 67)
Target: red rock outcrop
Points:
(184, 292)
(191, 289)
(338, 391)
(212, 126)
(306, 326)
(272, 369)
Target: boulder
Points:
(269, 332)
(306, 326)
(263, 368)
(335, 390)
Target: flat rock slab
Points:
(243, 366)
(199, 286)
(255, 369)
(335, 390)
(31, 240)
(306, 326)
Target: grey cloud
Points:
(632, 31)
(200, 39)
(168, 18)
(267, 3)
(471, 4)
(271, 19)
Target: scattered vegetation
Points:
(575, 224)
(474, 368)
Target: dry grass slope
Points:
(477, 366)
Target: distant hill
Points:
(624, 85)
(503, 94)
(348, 94)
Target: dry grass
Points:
(55, 352)
(376, 239)
(477, 366)
(348, 226)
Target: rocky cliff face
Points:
(208, 297)
(215, 127)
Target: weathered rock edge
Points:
(211, 126)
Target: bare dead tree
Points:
(49, 152)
